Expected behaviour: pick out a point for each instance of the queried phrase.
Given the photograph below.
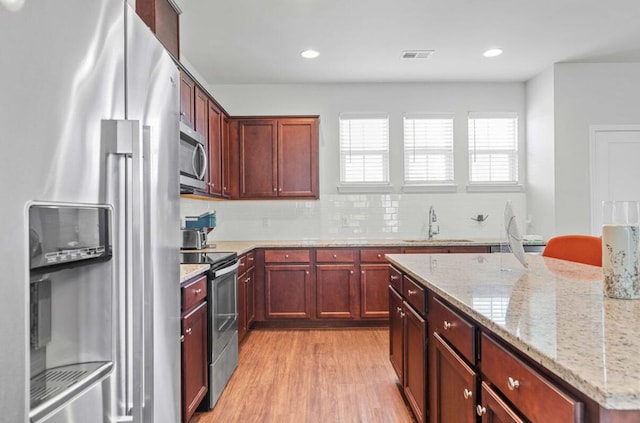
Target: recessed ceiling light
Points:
(493, 52)
(309, 54)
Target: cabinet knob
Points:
(379, 255)
(197, 291)
(351, 272)
(399, 309)
(512, 383)
(280, 190)
(286, 256)
(188, 331)
(480, 410)
(412, 292)
(335, 256)
(181, 338)
(247, 280)
(467, 393)
(307, 272)
(446, 325)
(402, 314)
(250, 258)
(182, 114)
(363, 272)
(275, 189)
(394, 278)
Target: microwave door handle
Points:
(199, 150)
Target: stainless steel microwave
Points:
(193, 160)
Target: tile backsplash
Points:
(359, 216)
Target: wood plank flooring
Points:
(325, 375)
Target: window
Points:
(493, 148)
(428, 149)
(364, 149)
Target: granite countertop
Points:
(188, 271)
(242, 247)
(554, 312)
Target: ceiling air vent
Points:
(417, 54)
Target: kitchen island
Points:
(552, 318)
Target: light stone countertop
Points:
(242, 247)
(554, 312)
(188, 271)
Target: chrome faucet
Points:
(433, 219)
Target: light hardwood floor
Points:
(326, 375)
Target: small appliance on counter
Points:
(194, 234)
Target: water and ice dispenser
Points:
(71, 303)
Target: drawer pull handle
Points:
(467, 393)
(412, 292)
(513, 383)
(480, 410)
(394, 278)
(197, 291)
(188, 331)
(250, 259)
(446, 325)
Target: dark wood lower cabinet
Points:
(287, 291)
(396, 334)
(493, 409)
(195, 380)
(415, 361)
(374, 280)
(453, 385)
(336, 291)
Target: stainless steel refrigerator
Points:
(89, 216)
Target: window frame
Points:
(352, 186)
(425, 184)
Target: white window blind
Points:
(364, 148)
(493, 148)
(428, 149)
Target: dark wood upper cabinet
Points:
(226, 158)
(298, 157)
(187, 102)
(163, 18)
(278, 157)
(258, 158)
(215, 149)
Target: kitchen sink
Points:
(439, 240)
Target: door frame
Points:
(593, 133)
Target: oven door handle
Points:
(226, 270)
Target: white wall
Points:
(586, 94)
(372, 216)
(540, 155)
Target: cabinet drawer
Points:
(377, 255)
(242, 265)
(193, 292)
(335, 256)
(395, 279)
(251, 260)
(477, 249)
(454, 328)
(530, 392)
(286, 256)
(414, 294)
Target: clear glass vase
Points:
(621, 248)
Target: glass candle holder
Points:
(621, 248)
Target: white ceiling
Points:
(259, 41)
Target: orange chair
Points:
(578, 248)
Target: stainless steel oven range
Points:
(223, 318)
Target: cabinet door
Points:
(250, 297)
(374, 282)
(336, 291)
(415, 360)
(242, 301)
(298, 157)
(396, 328)
(187, 92)
(215, 149)
(226, 158)
(195, 381)
(452, 385)
(287, 291)
(258, 158)
(493, 409)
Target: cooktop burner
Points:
(216, 260)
